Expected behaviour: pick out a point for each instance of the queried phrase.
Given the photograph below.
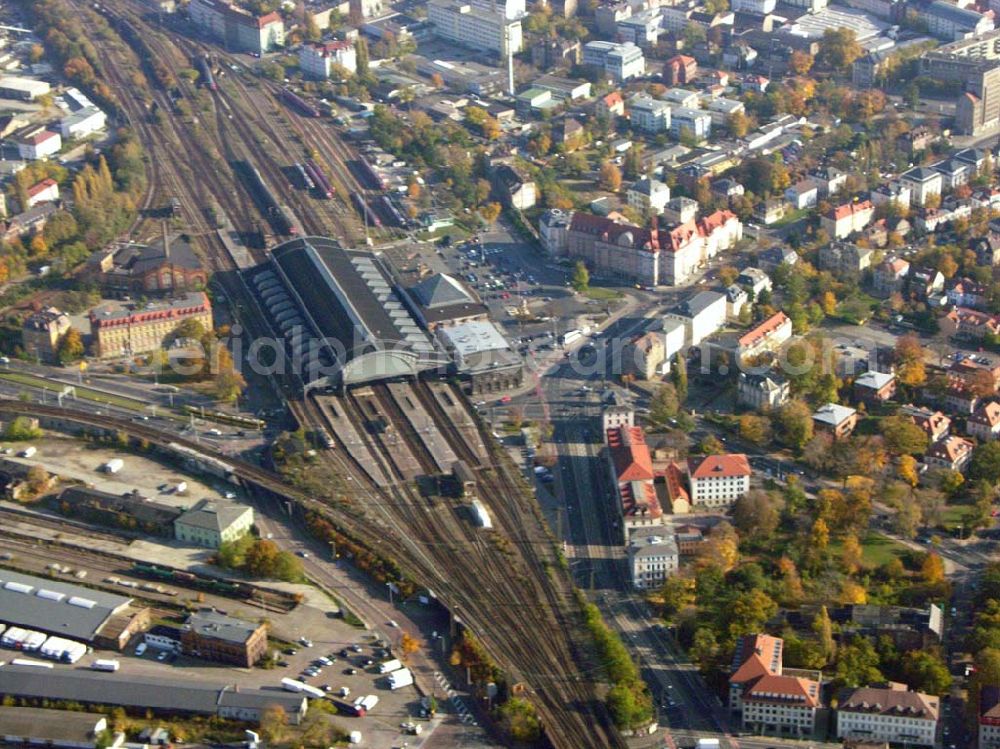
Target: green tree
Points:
(664, 404)
(20, 429)
(756, 515)
(581, 277)
(857, 663)
(362, 62)
(925, 672)
(839, 48)
(794, 424)
(902, 436)
(677, 594)
(71, 346)
(704, 647)
(630, 704)
(823, 628)
(750, 611)
(518, 719)
(985, 464)
(755, 428)
(679, 376)
(313, 33)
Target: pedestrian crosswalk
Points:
(455, 700)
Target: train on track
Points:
(279, 214)
(390, 212)
(299, 104)
(227, 588)
(369, 175)
(307, 182)
(323, 185)
(370, 217)
(223, 418)
(207, 79)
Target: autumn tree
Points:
(581, 277)
(273, 725)
(902, 436)
(610, 177)
(664, 404)
(909, 356)
(801, 62)
(71, 346)
(409, 645)
(756, 515)
(755, 428)
(679, 376)
(851, 554)
(794, 424)
(490, 213)
(839, 48)
(932, 568)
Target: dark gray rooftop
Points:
(210, 623)
(55, 607)
(212, 514)
(94, 687)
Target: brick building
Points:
(217, 637)
(127, 331)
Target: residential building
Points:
(682, 97)
(890, 276)
(989, 717)
(756, 83)
(754, 280)
(616, 413)
(829, 180)
(609, 15)
(476, 27)
(736, 299)
(891, 714)
(756, 656)
(648, 196)
(645, 355)
(875, 387)
(846, 219)
(41, 333)
(320, 60)
(770, 211)
(781, 706)
(46, 191)
(689, 539)
(702, 315)
(964, 292)
(776, 256)
(211, 523)
(215, 636)
(924, 183)
(513, 188)
(632, 470)
(770, 335)
(35, 143)
(680, 211)
(621, 250)
(680, 70)
(648, 114)
(952, 453)
(925, 283)
(652, 556)
(693, 123)
(984, 424)
(238, 29)
(845, 258)
(756, 7)
(727, 188)
(954, 173)
(970, 324)
(951, 22)
(718, 480)
(553, 229)
(835, 419)
(894, 193)
(760, 391)
(803, 194)
(619, 61)
(123, 330)
(612, 104)
(987, 249)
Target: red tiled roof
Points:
(843, 211)
(630, 454)
(268, 18)
(711, 466)
(611, 232)
(675, 483)
(951, 449)
(42, 186)
(613, 99)
(787, 690)
(757, 656)
(989, 414)
(714, 221)
(681, 60)
(766, 328)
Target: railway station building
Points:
(343, 320)
(442, 299)
(482, 357)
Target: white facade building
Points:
(702, 315)
(652, 556)
(695, 122)
(648, 114)
(648, 195)
(318, 60)
(82, 123)
(38, 143)
(476, 27)
(757, 7)
(718, 480)
(891, 714)
(620, 61)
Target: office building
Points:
(238, 29)
(320, 60)
(211, 523)
(477, 27)
(648, 114)
(216, 637)
(652, 556)
(619, 61)
(718, 480)
(893, 714)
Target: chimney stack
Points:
(166, 242)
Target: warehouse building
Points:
(25, 89)
(343, 320)
(161, 696)
(55, 728)
(70, 611)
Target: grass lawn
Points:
(600, 294)
(955, 515)
(790, 218)
(83, 392)
(876, 549)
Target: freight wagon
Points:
(299, 104)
